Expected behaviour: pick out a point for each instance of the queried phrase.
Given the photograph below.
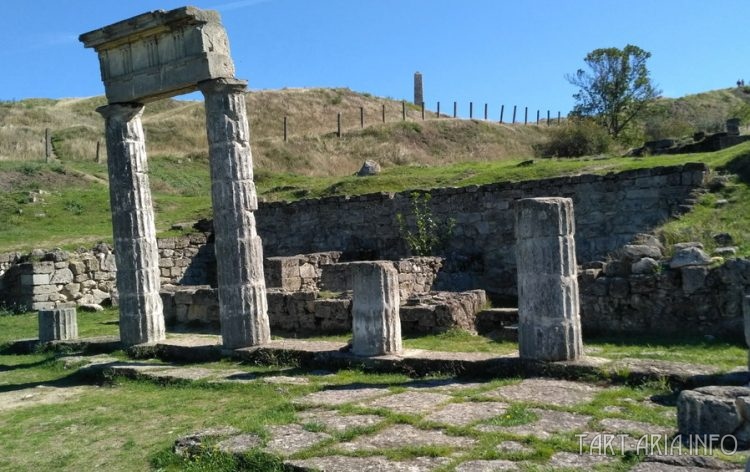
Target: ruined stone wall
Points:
(696, 299)
(610, 210)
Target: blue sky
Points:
(495, 51)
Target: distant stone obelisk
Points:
(418, 95)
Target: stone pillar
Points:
(58, 324)
(549, 324)
(746, 320)
(136, 252)
(418, 95)
(375, 320)
(239, 254)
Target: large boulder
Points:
(689, 256)
(369, 167)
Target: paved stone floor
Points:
(447, 425)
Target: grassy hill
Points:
(65, 203)
(176, 129)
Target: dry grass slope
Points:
(176, 129)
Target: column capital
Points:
(122, 111)
(223, 86)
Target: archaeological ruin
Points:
(163, 54)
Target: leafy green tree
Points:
(616, 89)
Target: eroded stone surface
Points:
(548, 423)
(409, 402)
(547, 392)
(369, 464)
(464, 413)
(335, 421)
(487, 466)
(340, 396)
(578, 461)
(285, 379)
(192, 443)
(637, 428)
(513, 446)
(405, 435)
(239, 444)
(288, 439)
(376, 327)
(40, 395)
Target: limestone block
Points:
(689, 256)
(646, 265)
(71, 290)
(62, 276)
(57, 324)
(375, 309)
(549, 325)
(638, 251)
(35, 279)
(715, 410)
(693, 278)
(160, 54)
(77, 267)
(44, 267)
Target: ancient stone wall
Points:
(611, 209)
(689, 300)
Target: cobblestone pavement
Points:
(449, 425)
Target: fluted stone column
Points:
(58, 324)
(549, 323)
(376, 325)
(136, 252)
(239, 254)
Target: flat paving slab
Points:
(342, 395)
(547, 392)
(332, 420)
(548, 422)
(402, 435)
(462, 414)
(369, 464)
(409, 402)
(289, 439)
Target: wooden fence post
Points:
(485, 112)
(403, 110)
(526, 115)
(502, 111)
(547, 117)
(338, 124)
(285, 128)
(514, 114)
(438, 109)
(384, 113)
(471, 110)
(455, 108)
(537, 117)
(361, 117)
(98, 158)
(423, 110)
(558, 117)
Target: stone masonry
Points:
(58, 324)
(549, 326)
(239, 252)
(376, 326)
(134, 231)
(156, 55)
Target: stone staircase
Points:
(498, 323)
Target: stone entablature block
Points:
(160, 54)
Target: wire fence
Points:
(425, 114)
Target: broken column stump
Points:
(59, 324)
(375, 321)
(549, 325)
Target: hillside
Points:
(176, 129)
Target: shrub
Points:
(576, 138)
(430, 236)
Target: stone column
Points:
(418, 92)
(58, 324)
(136, 252)
(549, 324)
(239, 253)
(375, 320)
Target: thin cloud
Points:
(238, 4)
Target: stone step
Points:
(494, 319)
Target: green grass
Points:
(76, 213)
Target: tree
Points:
(616, 89)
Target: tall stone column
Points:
(549, 323)
(136, 252)
(239, 253)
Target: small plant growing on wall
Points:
(428, 236)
